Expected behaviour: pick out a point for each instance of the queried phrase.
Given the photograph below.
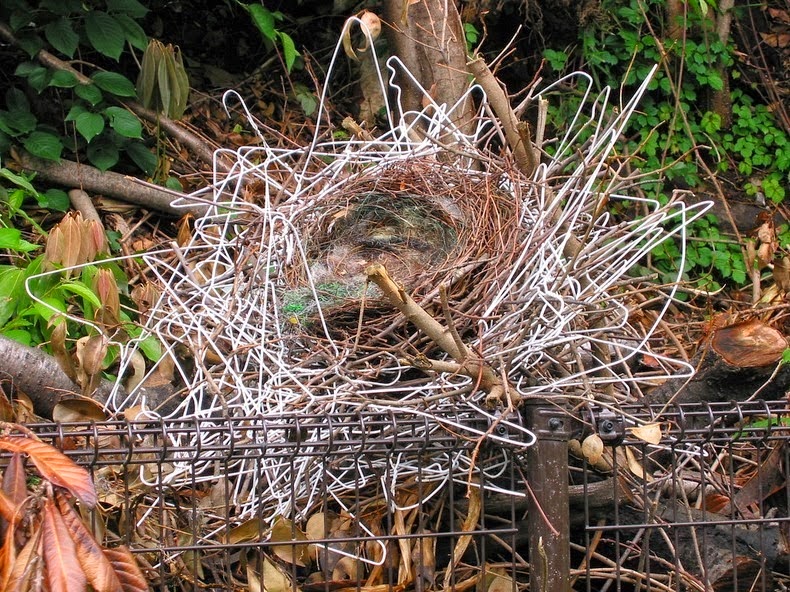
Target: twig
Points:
(467, 363)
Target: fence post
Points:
(547, 517)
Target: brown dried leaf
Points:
(468, 525)
(63, 570)
(501, 581)
(184, 235)
(97, 568)
(274, 580)
(7, 555)
(90, 355)
(635, 466)
(78, 409)
(15, 480)
(126, 569)
(650, 433)
(592, 448)
(285, 530)
(782, 274)
(54, 466)
(28, 565)
(246, 531)
(370, 23)
(138, 368)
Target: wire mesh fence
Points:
(703, 507)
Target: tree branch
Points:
(81, 176)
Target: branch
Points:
(39, 376)
(466, 362)
(184, 136)
(130, 189)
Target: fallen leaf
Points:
(650, 433)
(250, 530)
(285, 530)
(78, 409)
(592, 448)
(635, 466)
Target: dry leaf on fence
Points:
(650, 433)
(15, 480)
(27, 565)
(284, 530)
(245, 532)
(54, 466)
(592, 448)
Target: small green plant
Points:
(266, 22)
(673, 125)
(96, 123)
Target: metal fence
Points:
(703, 507)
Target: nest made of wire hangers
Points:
(428, 223)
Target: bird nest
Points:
(391, 275)
(427, 223)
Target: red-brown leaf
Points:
(14, 479)
(7, 556)
(54, 466)
(97, 568)
(27, 566)
(132, 579)
(64, 573)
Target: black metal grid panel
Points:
(191, 536)
(704, 509)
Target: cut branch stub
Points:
(466, 362)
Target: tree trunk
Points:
(429, 39)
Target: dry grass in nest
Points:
(427, 223)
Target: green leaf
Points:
(17, 122)
(11, 238)
(174, 184)
(124, 122)
(16, 100)
(54, 199)
(133, 32)
(63, 79)
(263, 20)
(17, 180)
(105, 33)
(12, 282)
(62, 37)
(114, 83)
(89, 125)
(289, 50)
(44, 145)
(20, 335)
(130, 7)
(80, 289)
(37, 76)
(103, 154)
(45, 309)
(142, 157)
(89, 92)
(30, 42)
(75, 111)
(151, 348)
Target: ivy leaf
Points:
(114, 83)
(63, 79)
(105, 33)
(123, 122)
(44, 145)
(133, 32)
(89, 92)
(103, 154)
(89, 125)
(62, 37)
